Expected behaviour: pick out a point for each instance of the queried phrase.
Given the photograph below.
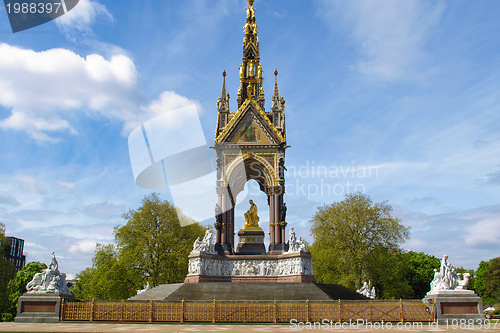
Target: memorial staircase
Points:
(208, 291)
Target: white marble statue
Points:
(292, 242)
(367, 290)
(206, 244)
(146, 288)
(295, 245)
(447, 278)
(49, 281)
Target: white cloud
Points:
(82, 17)
(485, 233)
(391, 34)
(167, 101)
(30, 184)
(42, 88)
(84, 246)
(39, 87)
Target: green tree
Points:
(7, 272)
(151, 247)
(357, 240)
(17, 286)
(420, 272)
(154, 242)
(108, 278)
(491, 279)
(478, 283)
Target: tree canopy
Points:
(108, 278)
(420, 272)
(150, 247)
(17, 286)
(356, 240)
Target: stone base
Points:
(286, 268)
(277, 248)
(456, 304)
(224, 249)
(40, 308)
(246, 279)
(251, 241)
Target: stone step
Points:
(207, 291)
(160, 292)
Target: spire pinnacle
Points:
(276, 95)
(223, 84)
(251, 69)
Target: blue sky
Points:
(399, 99)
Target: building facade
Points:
(14, 252)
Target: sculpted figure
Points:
(283, 212)
(436, 282)
(53, 263)
(251, 218)
(462, 283)
(242, 71)
(251, 68)
(259, 71)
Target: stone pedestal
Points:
(40, 307)
(251, 241)
(456, 304)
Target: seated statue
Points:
(251, 218)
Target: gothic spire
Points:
(276, 96)
(224, 83)
(251, 69)
(223, 100)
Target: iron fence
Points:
(247, 311)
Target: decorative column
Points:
(271, 219)
(231, 229)
(277, 228)
(218, 219)
(224, 219)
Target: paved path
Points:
(193, 328)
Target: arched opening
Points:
(252, 191)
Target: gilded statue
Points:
(251, 218)
(251, 68)
(259, 71)
(242, 71)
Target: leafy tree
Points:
(7, 272)
(154, 242)
(108, 278)
(479, 285)
(420, 272)
(386, 270)
(356, 240)
(491, 279)
(151, 247)
(17, 286)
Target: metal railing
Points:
(247, 311)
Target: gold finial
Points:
(275, 72)
(224, 73)
(282, 102)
